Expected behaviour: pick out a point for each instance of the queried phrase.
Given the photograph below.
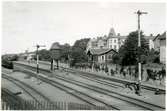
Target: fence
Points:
(35, 105)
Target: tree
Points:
(65, 52)
(78, 53)
(116, 60)
(153, 56)
(129, 52)
(44, 55)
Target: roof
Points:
(122, 37)
(55, 46)
(100, 51)
(149, 37)
(112, 32)
(163, 36)
(156, 37)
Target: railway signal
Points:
(139, 13)
(37, 55)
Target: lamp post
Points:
(55, 54)
(139, 13)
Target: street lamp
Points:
(55, 54)
(139, 13)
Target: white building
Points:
(150, 41)
(112, 41)
(160, 41)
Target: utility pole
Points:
(139, 13)
(38, 46)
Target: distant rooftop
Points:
(55, 45)
(112, 32)
(100, 51)
(163, 36)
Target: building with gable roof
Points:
(100, 55)
(112, 41)
(101, 49)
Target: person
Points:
(106, 70)
(121, 70)
(112, 72)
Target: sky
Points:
(27, 23)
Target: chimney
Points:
(118, 34)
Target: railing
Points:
(33, 105)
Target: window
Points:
(110, 46)
(102, 57)
(115, 41)
(109, 56)
(115, 47)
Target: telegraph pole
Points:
(139, 13)
(38, 46)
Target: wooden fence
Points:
(34, 105)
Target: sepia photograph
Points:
(83, 55)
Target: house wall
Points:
(163, 51)
(101, 58)
(101, 43)
(113, 43)
(105, 58)
(151, 44)
(157, 45)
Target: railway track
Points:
(95, 79)
(100, 79)
(93, 103)
(129, 100)
(107, 80)
(33, 93)
(112, 94)
(13, 101)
